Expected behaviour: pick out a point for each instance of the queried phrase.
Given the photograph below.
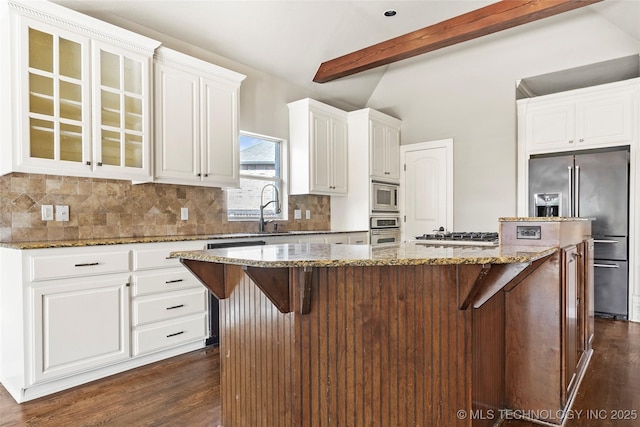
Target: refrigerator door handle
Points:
(576, 196)
(605, 241)
(570, 199)
(606, 265)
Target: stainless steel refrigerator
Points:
(593, 184)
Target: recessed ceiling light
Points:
(390, 12)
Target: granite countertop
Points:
(158, 239)
(326, 255)
(543, 219)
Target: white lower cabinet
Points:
(69, 316)
(169, 305)
(79, 325)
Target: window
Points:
(261, 161)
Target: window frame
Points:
(282, 180)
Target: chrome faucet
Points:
(276, 201)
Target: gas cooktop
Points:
(472, 238)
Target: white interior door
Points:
(426, 187)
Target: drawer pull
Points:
(175, 306)
(173, 335)
(174, 281)
(87, 264)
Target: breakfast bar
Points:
(404, 334)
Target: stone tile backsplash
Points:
(101, 208)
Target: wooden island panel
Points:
(381, 345)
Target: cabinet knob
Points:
(88, 163)
(571, 141)
(99, 163)
(198, 174)
(581, 139)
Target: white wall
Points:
(263, 97)
(467, 92)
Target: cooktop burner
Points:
(460, 238)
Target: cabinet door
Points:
(605, 120)
(385, 151)
(550, 126)
(338, 160)
(177, 124)
(56, 110)
(570, 335)
(393, 153)
(587, 305)
(220, 148)
(79, 325)
(320, 159)
(378, 149)
(121, 106)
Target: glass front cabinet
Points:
(82, 96)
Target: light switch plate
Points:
(184, 214)
(297, 214)
(308, 214)
(62, 213)
(47, 212)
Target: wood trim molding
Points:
(477, 23)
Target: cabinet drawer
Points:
(164, 281)
(157, 257)
(148, 339)
(154, 258)
(168, 306)
(77, 265)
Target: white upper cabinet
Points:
(586, 119)
(318, 148)
(196, 113)
(382, 135)
(79, 101)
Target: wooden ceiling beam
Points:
(477, 23)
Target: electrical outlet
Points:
(184, 214)
(297, 214)
(47, 212)
(62, 213)
(308, 214)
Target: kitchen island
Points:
(403, 335)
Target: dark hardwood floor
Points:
(609, 395)
(185, 391)
(181, 391)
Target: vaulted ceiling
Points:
(290, 39)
